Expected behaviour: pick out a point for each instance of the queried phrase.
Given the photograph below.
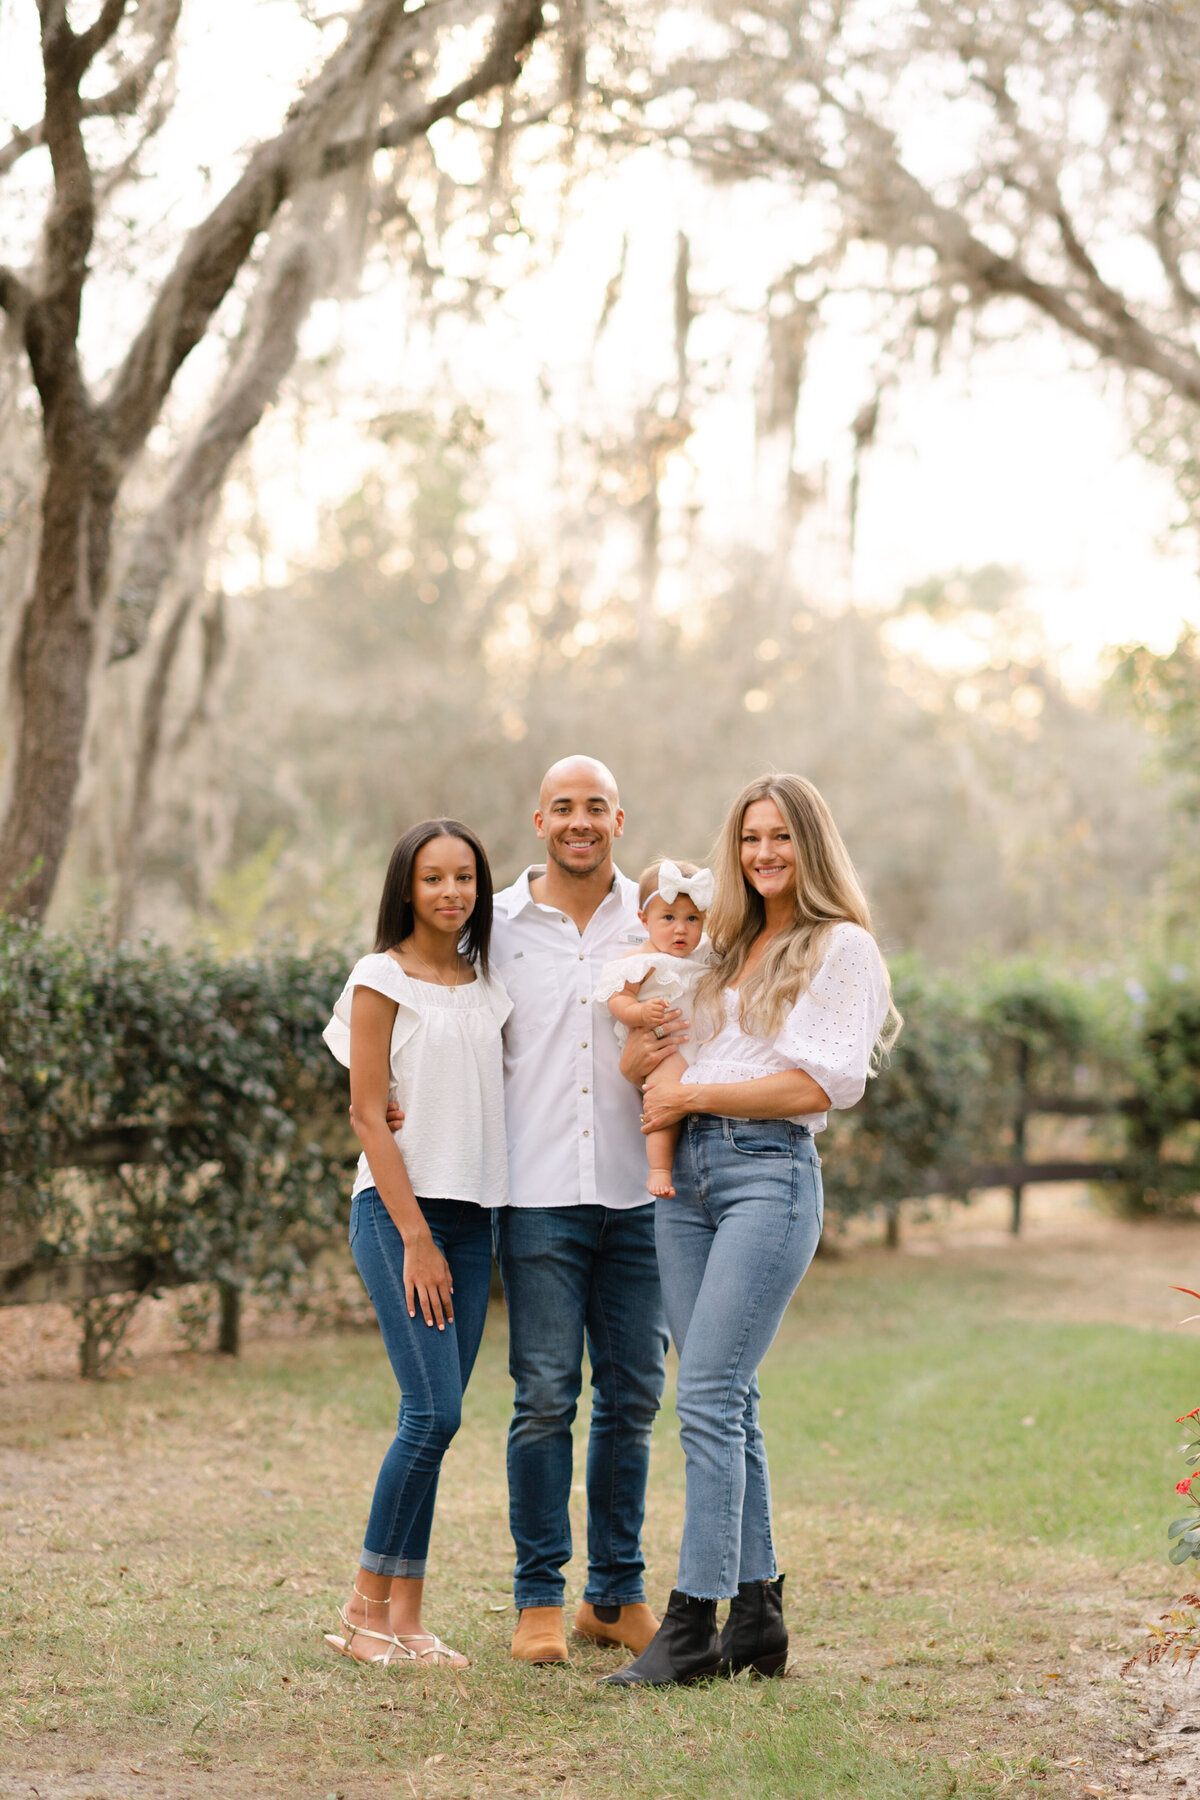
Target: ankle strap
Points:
(368, 1598)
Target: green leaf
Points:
(1180, 1552)
(1184, 1524)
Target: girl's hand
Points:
(654, 1012)
(665, 1104)
(427, 1282)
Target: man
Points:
(576, 1242)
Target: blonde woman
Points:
(789, 1019)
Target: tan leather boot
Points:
(539, 1637)
(630, 1626)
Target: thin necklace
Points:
(437, 980)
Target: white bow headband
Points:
(672, 882)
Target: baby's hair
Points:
(648, 880)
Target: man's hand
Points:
(644, 1049)
(395, 1118)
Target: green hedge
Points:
(220, 1062)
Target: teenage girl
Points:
(418, 1023)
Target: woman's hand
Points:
(427, 1282)
(665, 1104)
(644, 1050)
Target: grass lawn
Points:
(971, 1492)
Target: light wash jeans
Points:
(733, 1246)
(574, 1274)
(431, 1366)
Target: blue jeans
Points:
(573, 1273)
(733, 1245)
(431, 1366)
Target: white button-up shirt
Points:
(574, 1137)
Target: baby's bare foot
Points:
(659, 1183)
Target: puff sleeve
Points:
(614, 976)
(831, 1031)
(383, 974)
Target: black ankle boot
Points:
(684, 1648)
(755, 1636)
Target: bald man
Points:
(576, 1242)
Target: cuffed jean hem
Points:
(403, 1568)
(523, 1600)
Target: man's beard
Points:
(603, 852)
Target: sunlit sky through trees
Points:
(1021, 457)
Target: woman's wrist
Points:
(699, 1100)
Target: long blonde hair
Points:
(828, 893)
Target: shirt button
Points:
(583, 1090)
(583, 999)
(583, 1044)
(587, 1134)
(562, 921)
(581, 957)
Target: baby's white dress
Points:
(663, 977)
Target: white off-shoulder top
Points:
(447, 1073)
(829, 1033)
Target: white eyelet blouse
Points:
(447, 1073)
(829, 1033)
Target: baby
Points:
(659, 977)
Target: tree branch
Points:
(1164, 232)
(892, 207)
(89, 43)
(52, 324)
(1117, 335)
(516, 28)
(125, 97)
(280, 308)
(216, 249)
(20, 143)
(15, 297)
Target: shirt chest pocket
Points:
(537, 987)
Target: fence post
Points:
(229, 1326)
(89, 1345)
(1018, 1192)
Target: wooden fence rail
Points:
(31, 1281)
(28, 1280)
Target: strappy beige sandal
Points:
(436, 1654)
(395, 1653)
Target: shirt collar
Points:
(517, 897)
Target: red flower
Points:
(1185, 1487)
(1194, 1414)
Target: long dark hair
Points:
(396, 917)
